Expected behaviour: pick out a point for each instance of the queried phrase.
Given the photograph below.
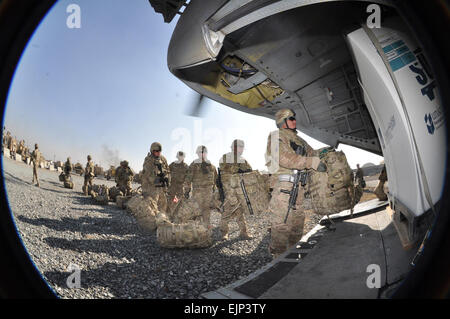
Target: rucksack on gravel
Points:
(114, 192)
(101, 196)
(187, 209)
(192, 234)
(332, 191)
(68, 184)
(144, 210)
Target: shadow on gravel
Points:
(161, 273)
(11, 178)
(84, 225)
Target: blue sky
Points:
(104, 89)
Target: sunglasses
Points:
(292, 118)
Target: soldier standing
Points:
(286, 152)
(379, 190)
(124, 176)
(202, 175)
(233, 163)
(67, 169)
(156, 177)
(178, 171)
(359, 175)
(36, 158)
(88, 175)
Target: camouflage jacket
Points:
(155, 169)
(201, 174)
(67, 167)
(231, 163)
(36, 157)
(282, 143)
(178, 172)
(124, 175)
(89, 171)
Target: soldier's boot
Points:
(278, 239)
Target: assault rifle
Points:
(247, 200)
(220, 186)
(161, 179)
(299, 178)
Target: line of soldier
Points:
(166, 184)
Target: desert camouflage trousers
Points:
(159, 196)
(233, 209)
(35, 176)
(286, 235)
(87, 181)
(204, 196)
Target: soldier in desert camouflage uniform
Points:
(286, 152)
(156, 177)
(178, 171)
(230, 164)
(36, 158)
(202, 175)
(88, 175)
(67, 169)
(379, 190)
(124, 176)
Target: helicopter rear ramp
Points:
(333, 263)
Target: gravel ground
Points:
(117, 259)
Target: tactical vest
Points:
(332, 191)
(201, 174)
(232, 164)
(178, 172)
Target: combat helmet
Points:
(282, 115)
(201, 149)
(155, 147)
(89, 157)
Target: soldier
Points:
(88, 175)
(233, 163)
(156, 177)
(178, 171)
(359, 176)
(379, 190)
(36, 158)
(201, 177)
(21, 148)
(286, 152)
(67, 169)
(13, 146)
(124, 176)
(7, 140)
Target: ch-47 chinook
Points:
(355, 74)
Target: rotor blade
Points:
(197, 107)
